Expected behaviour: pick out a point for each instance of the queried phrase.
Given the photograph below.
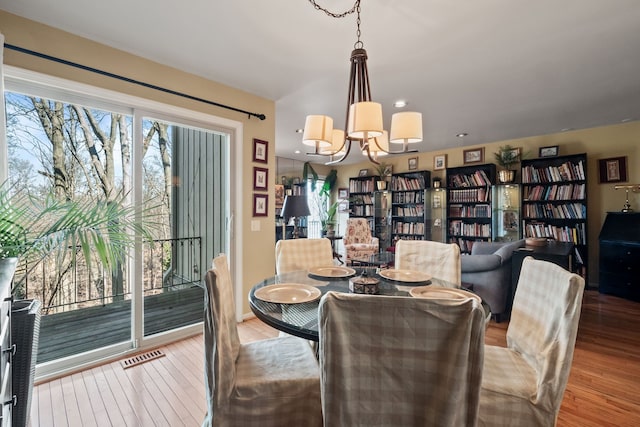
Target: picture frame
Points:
(260, 151)
(550, 151)
(439, 162)
(260, 204)
(363, 172)
(613, 169)
(343, 207)
(412, 163)
(279, 196)
(260, 179)
(343, 193)
(474, 155)
(388, 170)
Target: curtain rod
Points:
(128, 80)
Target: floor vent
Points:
(141, 358)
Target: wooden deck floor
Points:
(74, 332)
(603, 387)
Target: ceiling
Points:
(495, 69)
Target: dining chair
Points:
(400, 361)
(272, 382)
(524, 383)
(440, 260)
(358, 241)
(302, 254)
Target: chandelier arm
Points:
(403, 151)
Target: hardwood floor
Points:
(603, 389)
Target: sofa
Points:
(487, 270)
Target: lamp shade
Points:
(317, 131)
(406, 127)
(379, 145)
(337, 146)
(365, 120)
(295, 206)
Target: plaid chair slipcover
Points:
(358, 241)
(441, 260)
(273, 382)
(399, 361)
(523, 384)
(302, 254)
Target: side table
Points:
(336, 255)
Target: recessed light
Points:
(297, 152)
(299, 130)
(400, 103)
(628, 119)
(565, 129)
(461, 134)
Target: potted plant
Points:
(383, 170)
(507, 156)
(328, 220)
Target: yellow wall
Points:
(258, 253)
(598, 143)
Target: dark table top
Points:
(302, 319)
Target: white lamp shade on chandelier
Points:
(378, 146)
(337, 144)
(406, 127)
(365, 120)
(318, 131)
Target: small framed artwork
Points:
(343, 193)
(551, 151)
(475, 155)
(279, 195)
(363, 172)
(260, 150)
(412, 163)
(343, 207)
(439, 162)
(613, 169)
(260, 179)
(388, 170)
(260, 204)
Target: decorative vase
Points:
(506, 176)
(382, 185)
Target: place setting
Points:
(405, 276)
(332, 272)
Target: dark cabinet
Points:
(620, 255)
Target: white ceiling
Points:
(496, 69)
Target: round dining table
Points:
(301, 318)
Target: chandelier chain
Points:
(356, 6)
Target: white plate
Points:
(438, 292)
(405, 275)
(288, 293)
(332, 271)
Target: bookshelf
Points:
(382, 223)
(506, 213)
(361, 198)
(469, 204)
(554, 202)
(410, 206)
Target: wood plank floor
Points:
(603, 389)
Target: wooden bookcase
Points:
(469, 205)
(410, 206)
(361, 199)
(554, 202)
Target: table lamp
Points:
(295, 207)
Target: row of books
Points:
(551, 211)
(410, 197)
(361, 210)
(469, 195)
(555, 192)
(417, 210)
(364, 199)
(575, 235)
(567, 171)
(465, 245)
(400, 227)
(477, 179)
(403, 183)
(361, 186)
(459, 228)
(470, 211)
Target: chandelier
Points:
(363, 121)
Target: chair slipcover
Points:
(441, 260)
(358, 241)
(399, 361)
(523, 384)
(302, 254)
(273, 382)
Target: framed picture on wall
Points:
(439, 162)
(260, 150)
(412, 163)
(475, 155)
(260, 179)
(613, 169)
(551, 151)
(343, 193)
(260, 204)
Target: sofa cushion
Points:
(475, 263)
(506, 251)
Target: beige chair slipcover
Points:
(358, 241)
(523, 384)
(440, 260)
(272, 382)
(400, 361)
(302, 254)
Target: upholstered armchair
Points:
(488, 269)
(358, 241)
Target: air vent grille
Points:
(141, 358)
